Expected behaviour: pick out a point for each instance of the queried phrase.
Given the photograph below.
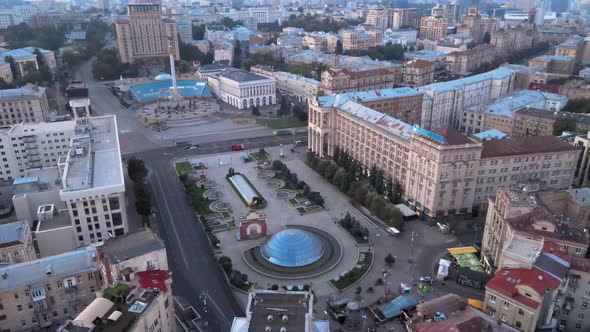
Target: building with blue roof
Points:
(394, 308)
(424, 55)
(449, 99)
(22, 56)
(490, 134)
(557, 64)
(301, 88)
(16, 243)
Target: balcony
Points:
(72, 289)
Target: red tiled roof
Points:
(506, 280)
(544, 87)
(153, 279)
(551, 247)
(516, 146)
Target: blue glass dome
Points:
(163, 77)
(292, 248)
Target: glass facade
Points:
(293, 248)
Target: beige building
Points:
(404, 17)
(42, 293)
(361, 39)
(432, 28)
(321, 41)
(301, 88)
(417, 73)
(471, 24)
(574, 312)
(5, 71)
(339, 79)
(554, 64)
(534, 122)
(573, 48)
(242, 89)
(510, 40)
(519, 213)
(144, 36)
(25, 104)
(16, 243)
(462, 63)
(442, 172)
(378, 18)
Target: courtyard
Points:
(416, 251)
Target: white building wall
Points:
(55, 241)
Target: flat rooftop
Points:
(239, 75)
(94, 160)
(131, 245)
(60, 220)
(516, 146)
(28, 91)
(523, 248)
(13, 233)
(295, 305)
(41, 128)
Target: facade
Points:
(16, 243)
(5, 71)
(462, 63)
(27, 145)
(378, 18)
(25, 60)
(472, 24)
(185, 30)
(446, 11)
(577, 296)
(515, 212)
(554, 64)
(572, 49)
(243, 89)
(144, 36)
(441, 172)
(433, 28)
(418, 73)
(214, 33)
(361, 39)
(404, 17)
(27, 104)
(534, 122)
(42, 293)
(321, 41)
(339, 79)
(515, 39)
(301, 88)
(224, 51)
(450, 99)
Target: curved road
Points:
(197, 276)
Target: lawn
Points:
(282, 123)
(354, 275)
(183, 167)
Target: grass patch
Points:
(260, 157)
(354, 275)
(301, 210)
(183, 167)
(282, 123)
(293, 201)
(225, 215)
(258, 206)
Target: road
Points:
(196, 274)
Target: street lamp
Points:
(386, 281)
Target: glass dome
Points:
(292, 248)
(163, 77)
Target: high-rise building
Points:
(404, 17)
(446, 11)
(433, 28)
(378, 18)
(144, 36)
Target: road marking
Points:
(227, 320)
(171, 220)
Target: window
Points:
(581, 316)
(503, 318)
(506, 305)
(520, 311)
(16, 295)
(23, 322)
(578, 325)
(518, 324)
(19, 308)
(584, 305)
(493, 298)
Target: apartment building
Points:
(321, 41)
(361, 39)
(33, 145)
(446, 11)
(510, 40)
(224, 52)
(242, 89)
(450, 99)
(340, 79)
(301, 88)
(534, 122)
(16, 243)
(462, 63)
(214, 33)
(501, 114)
(42, 293)
(25, 60)
(25, 104)
(378, 18)
(573, 48)
(441, 171)
(514, 212)
(144, 36)
(5, 71)
(433, 28)
(554, 64)
(472, 24)
(404, 17)
(418, 73)
(574, 313)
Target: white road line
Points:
(227, 320)
(171, 220)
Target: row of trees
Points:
(236, 278)
(138, 172)
(199, 203)
(292, 178)
(23, 35)
(318, 23)
(383, 52)
(353, 226)
(108, 66)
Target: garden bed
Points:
(356, 274)
(183, 167)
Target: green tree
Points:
(136, 169)
(389, 259)
(564, 123)
(226, 264)
(472, 44)
(183, 66)
(331, 170)
(198, 32)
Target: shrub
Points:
(226, 264)
(274, 287)
(358, 290)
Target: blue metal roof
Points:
(371, 95)
(395, 307)
(499, 73)
(292, 248)
(30, 179)
(490, 134)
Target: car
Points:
(237, 147)
(192, 147)
(426, 279)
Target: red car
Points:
(237, 147)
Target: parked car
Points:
(192, 147)
(237, 147)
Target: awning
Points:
(462, 250)
(475, 303)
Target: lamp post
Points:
(386, 281)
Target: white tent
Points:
(443, 269)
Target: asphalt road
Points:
(196, 274)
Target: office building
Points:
(450, 99)
(404, 17)
(445, 11)
(214, 33)
(378, 18)
(184, 29)
(42, 293)
(16, 243)
(301, 88)
(511, 40)
(27, 104)
(144, 36)
(269, 310)
(472, 24)
(432, 28)
(242, 89)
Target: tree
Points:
(306, 190)
(255, 111)
(226, 264)
(143, 206)
(373, 175)
(331, 171)
(471, 44)
(358, 290)
(318, 200)
(199, 32)
(564, 123)
(321, 169)
(487, 38)
(389, 259)
(338, 49)
(71, 59)
(380, 183)
(183, 66)
(136, 169)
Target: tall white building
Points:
(185, 30)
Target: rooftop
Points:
(28, 91)
(22, 53)
(496, 74)
(131, 245)
(368, 96)
(383, 121)
(423, 54)
(41, 127)
(239, 75)
(523, 249)
(94, 160)
(581, 196)
(506, 106)
(505, 281)
(39, 271)
(490, 134)
(13, 233)
(580, 264)
(452, 136)
(541, 223)
(549, 58)
(60, 220)
(517, 146)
